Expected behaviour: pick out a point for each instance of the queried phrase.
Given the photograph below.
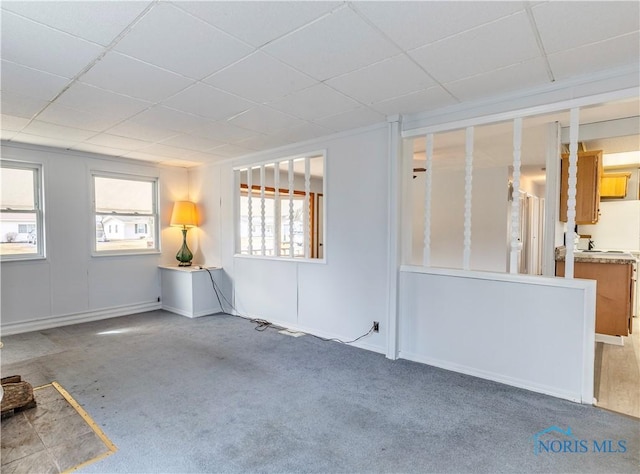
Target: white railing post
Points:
(306, 214)
(276, 209)
(516, 244)
(250, 209)
(571, 191)
(291, 213)
(426, 253)
(263, 228)
(468, 173)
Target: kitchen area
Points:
(607, 249)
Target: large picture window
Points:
(126, 214)
(21, 212)
(280, 208)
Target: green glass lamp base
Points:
(184, 255)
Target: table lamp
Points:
(184, 215)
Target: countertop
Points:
(596, 256)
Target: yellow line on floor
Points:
(85, 416)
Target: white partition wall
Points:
(527, 331)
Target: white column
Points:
(426, 254)
(466, 256)
(571, 190)
(306, 214)
(250, 209)
(263, 228)
(516, 244)
(291, 213)
(277, 210)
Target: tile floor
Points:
(53, 437)
(617, 374)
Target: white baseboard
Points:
(191, 314)
(75, 318)
(483, 374)
(607, 339)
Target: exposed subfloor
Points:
(618, 374)
(213, 395)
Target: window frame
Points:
(38, 209)
(239, 188)
(155, 182)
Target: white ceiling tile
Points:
(413, 24)
(314, 103)
(265, 120)
(100, 102)
(499, 44)
(386, 79)
(43, 141)
(222, 131)
(21, 105)
(303, 132)
(150, 133)
(356, 118)
(164, 150)
(263, 142)
(274, 80)
(566, 25)
(167, 119)
(23, 41)
(103, 150)
(11, 122)
(172, 39)
(118, 73)
(67, 116)
(601, 56)
(7, 134)
(229, 151)
(336, 44)
(140, 155)
(192, 142)
(79, 18)
(188, 163)
(258, 23)
(115, 141)
(421, 101)
(500, 81)
(45, 129)
(204, 100)
(31, 82)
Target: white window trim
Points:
(236, 211)
(38, 191)
(156, 213)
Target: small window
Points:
(280, 208)
(126, 214)
(21, 214)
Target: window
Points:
(280, 208)
(126, 214)
(21, 216)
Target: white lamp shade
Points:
(184, 214)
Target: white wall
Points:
(70, 285)
(489, 218)
(340, 297)
(531, 332)
(618, 226)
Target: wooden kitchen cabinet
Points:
(614, 185)
(613, 293)
(587, 189)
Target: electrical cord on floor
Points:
(263, 324)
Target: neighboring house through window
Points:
(21, 212)
(126, 214)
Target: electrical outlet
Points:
(376, 326)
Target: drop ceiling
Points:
(185, 83)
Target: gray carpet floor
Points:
(214, 395)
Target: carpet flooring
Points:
(214, 395)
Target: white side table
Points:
(188, 291)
